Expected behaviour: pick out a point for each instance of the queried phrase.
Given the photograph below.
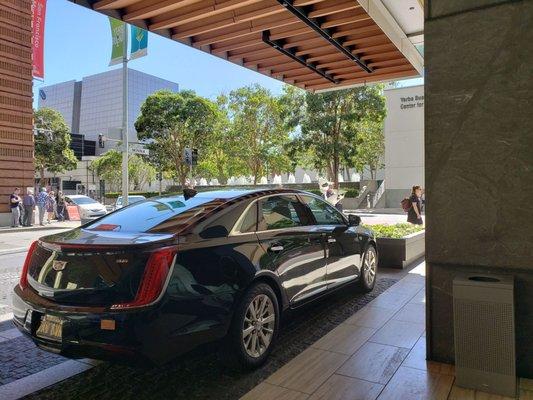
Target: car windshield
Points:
(83, 200)
(131, 199)
(162, 215)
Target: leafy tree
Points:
(329, 123)
(257, 121)
(109, 168)
(370, 147)
(170, 122)
(221, 158)
(52, 143)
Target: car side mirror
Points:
(354, 220)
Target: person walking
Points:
(28, 201)
(14, 201)
(41, 204)
(50, 206)
(60, 206)
(414, 215)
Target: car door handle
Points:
(332, 240)
(276, 248)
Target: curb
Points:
(37, 228)
(13, 251)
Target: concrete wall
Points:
(404, 142)
(479, 158)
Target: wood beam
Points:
(154, 9)
(362, 81)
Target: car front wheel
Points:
(255, 326)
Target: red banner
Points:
(38, 15)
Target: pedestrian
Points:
(60, 206)
(14, 201)
(41, 204)
(50, 206)
(414, 215)
(28, 201)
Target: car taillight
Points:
(23, 283)
(153, 280)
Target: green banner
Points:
(139, 42)
(117, 35)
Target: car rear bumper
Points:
(139, 335)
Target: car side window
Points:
(278, 212)
(249, 221)
(324, 213)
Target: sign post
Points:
(125, 182)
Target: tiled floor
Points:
(378, 353)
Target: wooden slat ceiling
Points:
(312, 44)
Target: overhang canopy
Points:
(313, 44)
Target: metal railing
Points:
(378, 194)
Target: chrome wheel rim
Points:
(258, 326)
(369, 267)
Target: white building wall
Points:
(404, 142)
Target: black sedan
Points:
(162, 276)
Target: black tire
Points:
(367, 281)
(238, 353)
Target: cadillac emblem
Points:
(59, 265)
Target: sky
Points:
(78, 43)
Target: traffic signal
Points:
(101, 141)
(187, 156)
(159, 176)
(194, 157)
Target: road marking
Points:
(10, 334)
(47, 377)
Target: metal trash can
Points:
(484, 332)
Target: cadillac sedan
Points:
(162, 276)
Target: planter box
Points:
(398, 253)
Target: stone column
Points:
(479, 158)
(16, 114)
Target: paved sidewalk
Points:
(378, 353)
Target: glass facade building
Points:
(93, 106)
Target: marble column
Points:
(479, 158)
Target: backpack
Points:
(406, 204)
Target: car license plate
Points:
(51, 328)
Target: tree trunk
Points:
(336, 167)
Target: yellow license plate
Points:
(51, 328)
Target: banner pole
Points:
(125, 139)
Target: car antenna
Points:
(189, 193)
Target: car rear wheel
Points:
(255, 326)
(369, 268)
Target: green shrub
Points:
(396, 231)
(352, 193)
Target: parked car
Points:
(162, 276)
(88, 208)
(131, 199)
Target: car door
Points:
(343, 249)
(293, 247)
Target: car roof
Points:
(76, 196)
(236, 193)
(232, 194)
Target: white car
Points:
(131, 199)
(89, 209)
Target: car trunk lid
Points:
(86, 268)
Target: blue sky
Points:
(78, 43)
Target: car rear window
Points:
(151, 216)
